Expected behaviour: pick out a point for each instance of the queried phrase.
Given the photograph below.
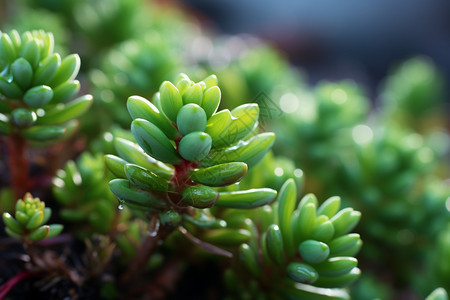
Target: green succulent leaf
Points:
(54, 230)
(116, 165)
(248, 258)
(22, 72)
(330, 207)
(65, 91)
(171, 101)
(132, 195)
(170, 218)
(314, 251)
(30, 52)
(220, 175)
(190, 118)
(141, 108)
(227, 236)
(10, 89)
(346, 245)
(245, 118)
(275, 245)
(246, 199)
(339, 281)
(43, 133)
(64, 113)
(67, 71)
(302, 273)
(145, 179)
(39, 233)
(217, 126)
(345, 221)
(23, 117)
(200, 196)
(250, 152)
(154, 141)
(7, 49)
(47, 69)
(211, 100)
(287, 198)
(195, 146)
(35, 220)
(132, 153)
(12, 224)
(194, 95)
(336, 266)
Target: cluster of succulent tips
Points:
(29, 223)
(185, 150)
(305, 248)
(36, 85)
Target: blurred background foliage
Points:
(362, 111)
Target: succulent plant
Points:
(28, 19)
(185, 148)
(297, 249)
(36, 85)
(81, 188)
(30, 220)
(208, 174)
(413, 95)
(320, 120)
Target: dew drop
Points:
(120, 206)
(153, 228)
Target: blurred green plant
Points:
(388, 175)
(320, 120)
(249, 69)
(134, 67)
(28, 19)
(440, 257)
(81, 188)
(29, 223)
(36, 86)
(413, 96)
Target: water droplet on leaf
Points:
(153, 227)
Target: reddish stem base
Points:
(7, 286)
(18, 165)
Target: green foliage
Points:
(36, 85)
(176, 163)
(27, 19)
(391, 174)
(134, 67)
(440, 258)
(81, 188)
(192, 166)
(29, 222)
(297, 249)
(412, 95)
(320, 120)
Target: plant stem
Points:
(18, 165)
(145, 251)
(7, 286)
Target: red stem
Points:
(7, 286)
(18, 165)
